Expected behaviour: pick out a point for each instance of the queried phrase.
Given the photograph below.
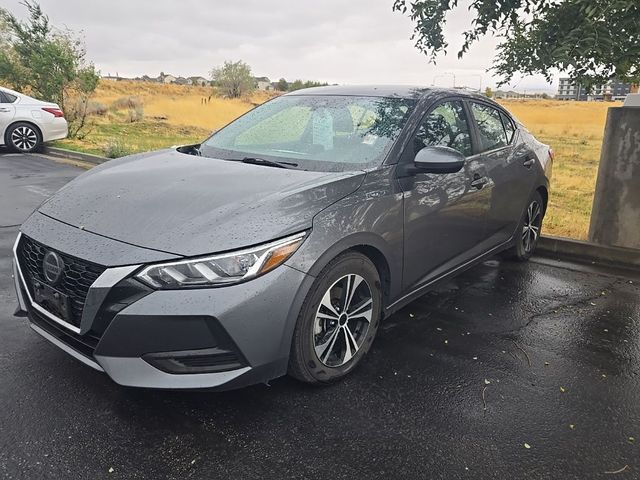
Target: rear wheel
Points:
(23, 137)
(529, 228)
(338, 321)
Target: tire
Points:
(327, 343)
(529, 229)
(23, 137)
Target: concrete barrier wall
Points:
(615, 219)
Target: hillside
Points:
(164, 115)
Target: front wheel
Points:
(528, 231)
(23, 137)
(338, 320)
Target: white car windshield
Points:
(314, 132)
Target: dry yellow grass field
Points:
(181, 105)
(175, 114)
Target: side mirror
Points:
(438, 159)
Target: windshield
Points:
(319, 132)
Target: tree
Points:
(593, 40)
(488, 92)
(233, 78)
(298, 84)
(47, 63)
(282, 85)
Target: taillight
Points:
(551, 154)
(56, 112)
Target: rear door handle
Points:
(478, 181)
(528, 162)
(5, 110)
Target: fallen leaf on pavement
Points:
(619, 470)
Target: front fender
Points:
(372, 216)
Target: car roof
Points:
(397, 91)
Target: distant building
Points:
(613, 90)
(200, 81)
(111, 78)
(263, 83)
(164, 78)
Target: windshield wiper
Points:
(267, 163)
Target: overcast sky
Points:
(337, 41)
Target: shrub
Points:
(115, 149)
(96, 108)
(130, 103)
(135, 114)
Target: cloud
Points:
(355, 41)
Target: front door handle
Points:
(478, 181)
(5, 110)
(528, 162)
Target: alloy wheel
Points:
(24, 138)
(531, 227)
(342, 320)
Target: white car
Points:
(26, 123)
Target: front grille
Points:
(78, 275)
(84, 344)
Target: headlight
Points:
(222, 269)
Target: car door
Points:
(7, 112)
(508, 167)
(444, 214)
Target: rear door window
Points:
(490, 127)
(509, 128)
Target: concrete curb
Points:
(566, 248)
(71, 155)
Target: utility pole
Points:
(442, 75)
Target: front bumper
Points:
(216, 338)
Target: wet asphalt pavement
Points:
(510, 371)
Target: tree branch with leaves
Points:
(592, 40)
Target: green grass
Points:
(106, 137)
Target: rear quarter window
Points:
(6, 97)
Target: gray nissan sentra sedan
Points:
(280, 243)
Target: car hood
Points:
(189, 205)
